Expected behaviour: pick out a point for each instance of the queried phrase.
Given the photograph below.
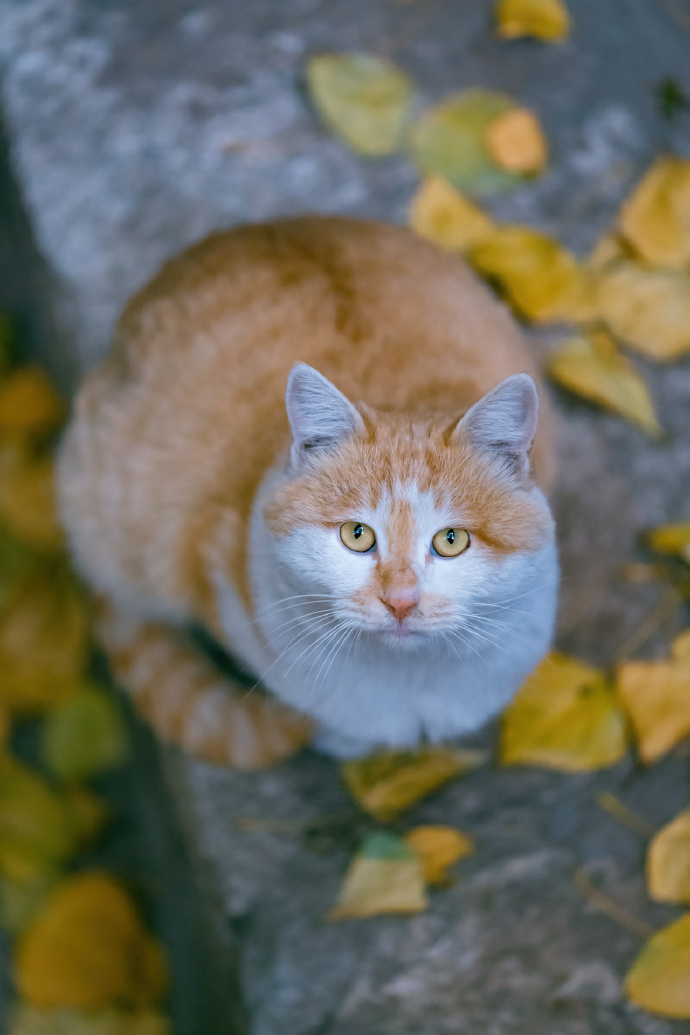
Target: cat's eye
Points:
(356, 536)
(450, 542)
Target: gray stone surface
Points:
(136, 128)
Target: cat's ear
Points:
(320, 416)
(503, 422)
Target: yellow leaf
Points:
(442, 215)
(44, 640)
(539, 277)
(450, 141)
(438, 847)
(88, 813)
(36, 830)
(659, 980)
(546, 19)
(388, 783)
(565, 717)
(384, 877)
(88, 949)
(648, 309)
(362, 98)
(516, 142)
(656, 695)
(28, 503)
(28, 1020)
(21, 901)
(668, 862)
(656, 218)
(609, 249)
(29, 405)
(674, 538)
(84, 736)
(680, 648)
(592, 367)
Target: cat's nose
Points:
(401, 604)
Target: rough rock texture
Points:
(137, 128)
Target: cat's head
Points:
(404, 523)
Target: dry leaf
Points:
(438, 848)
(21, 901)
(442, 215)
(517, 143)
(656, 695)
(674, 539)
(28, 1020)
(388, 783)
(88, 949)
(450, 141)
(44, 640)
(539, 277)
(84, 736)
(546, 19)
(592, 367)
(29, 405)
(648, 309)
(659, 980)
(565, 717)
(362, 98)
(668, 862)
(656, 217)
(36, 830)
(609, 249)
(680, 648)
(28, 504)
(384, 877)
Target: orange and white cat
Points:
(373, 544)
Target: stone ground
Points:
(135, 129)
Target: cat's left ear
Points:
(320, 416)
(504, 421)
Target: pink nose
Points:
(400, 606)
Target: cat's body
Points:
(186, 503)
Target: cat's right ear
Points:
(320, 416)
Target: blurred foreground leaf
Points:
(516, 142)
(29, 405)
(565, 717)
(384, 877)
(84, 736)
(363, 99)
(444, 216)
(647, 309)
(28, 1020)
(593, 368)
(655, 219)
(659, 979)
(36, 830)
(87, 948)
(388, 783)
(673, 538)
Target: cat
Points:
(317, 440)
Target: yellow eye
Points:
(356, 536)
(450, 542)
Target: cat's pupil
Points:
(357, 531)
(450, 536)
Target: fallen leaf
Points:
(384, 877)
(647, 309)
(609, 249)
(656, 695)
(438, 848)
(593, 368)
(680, 648)
(450, 141)
(442, 215)
(673, 538)
(29, 405)
(44, 640)
(88, 813)
(656, 217)
(546, 19)
(659, 980)
(565, 717)
(16, 560)
(28, 1020)
(21, 901)
(668, 862)
(362, 98)
(88, 949)
(516, 142)
(36, 830)
(28, 504)
(388, 783)
(539, 276)
(84, 736)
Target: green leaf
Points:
(84, 736)
(362, 98)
